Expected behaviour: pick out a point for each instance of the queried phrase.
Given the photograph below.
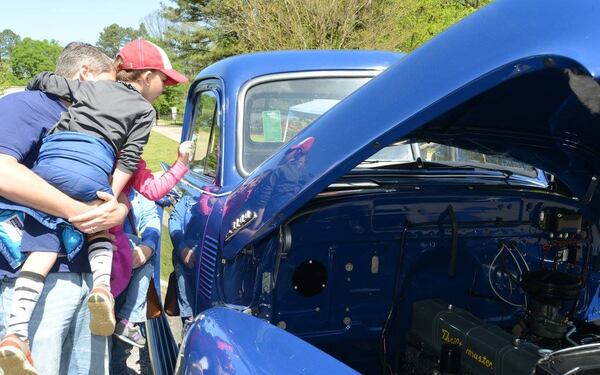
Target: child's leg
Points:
(100, 302)
(28, 287)
(15, 356)
(100, 253)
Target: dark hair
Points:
(76, 54)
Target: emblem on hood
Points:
(242, 221)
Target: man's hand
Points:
(184, 151)
(187, 256)
(102, 214)
(141, 254)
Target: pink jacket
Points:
(152, 188)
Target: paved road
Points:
(138, 361)
(173, 132)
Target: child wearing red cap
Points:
(108, 121)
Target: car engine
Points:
(448, 340)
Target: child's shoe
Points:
(129, 333)
(102, 316)
(15, 357)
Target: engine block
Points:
(484, 349)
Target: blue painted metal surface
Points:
(224, 341)
(501, 53)
(232, 73)
(161, 343)
(592, 313)
(446, 72)
(407, 230)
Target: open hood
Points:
(497, 82)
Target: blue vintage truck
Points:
(434, 213)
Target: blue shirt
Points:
(144, 216)
(185, 225)
(25, 117)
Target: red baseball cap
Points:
(141, 54)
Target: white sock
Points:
(100, 253)
(28, 288)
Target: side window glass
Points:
(212, 155)
(205, 135)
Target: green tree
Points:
(423, 19)
(30, 57)
(204, 31)
(6, 77)
(8, 39)
(113, 37)
(200, 32)
(196, 36)
(172, 96)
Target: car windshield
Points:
(444, 156)
(276, 111)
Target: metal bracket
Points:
(589, 194)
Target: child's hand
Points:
(184, 151)
(187, 256)
(141, 254)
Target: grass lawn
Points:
(161, 148)
(166, 251)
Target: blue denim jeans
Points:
(61, 342)
(134, 307)
(184, 291)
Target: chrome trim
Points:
(239, 136)
(185, 182)
(240, 223)
(216, 87)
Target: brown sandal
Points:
(102, 317)
(15, 357)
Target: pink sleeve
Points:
(153, 187)
(122, 262)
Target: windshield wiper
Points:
(507, 173)
(419, 163)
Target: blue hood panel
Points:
(224, 341)
(495, 82)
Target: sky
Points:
(69, 20)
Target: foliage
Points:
(426, 18)
(113, 37)
(204, 31)
(309, 24)
(30, 57)
(172, 96)
(8, 39)
(6, 77)
(196, 35)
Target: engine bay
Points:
(476, 282)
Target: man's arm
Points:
(21, 185)
(149, 223)
(148, 226)
(177, 224)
